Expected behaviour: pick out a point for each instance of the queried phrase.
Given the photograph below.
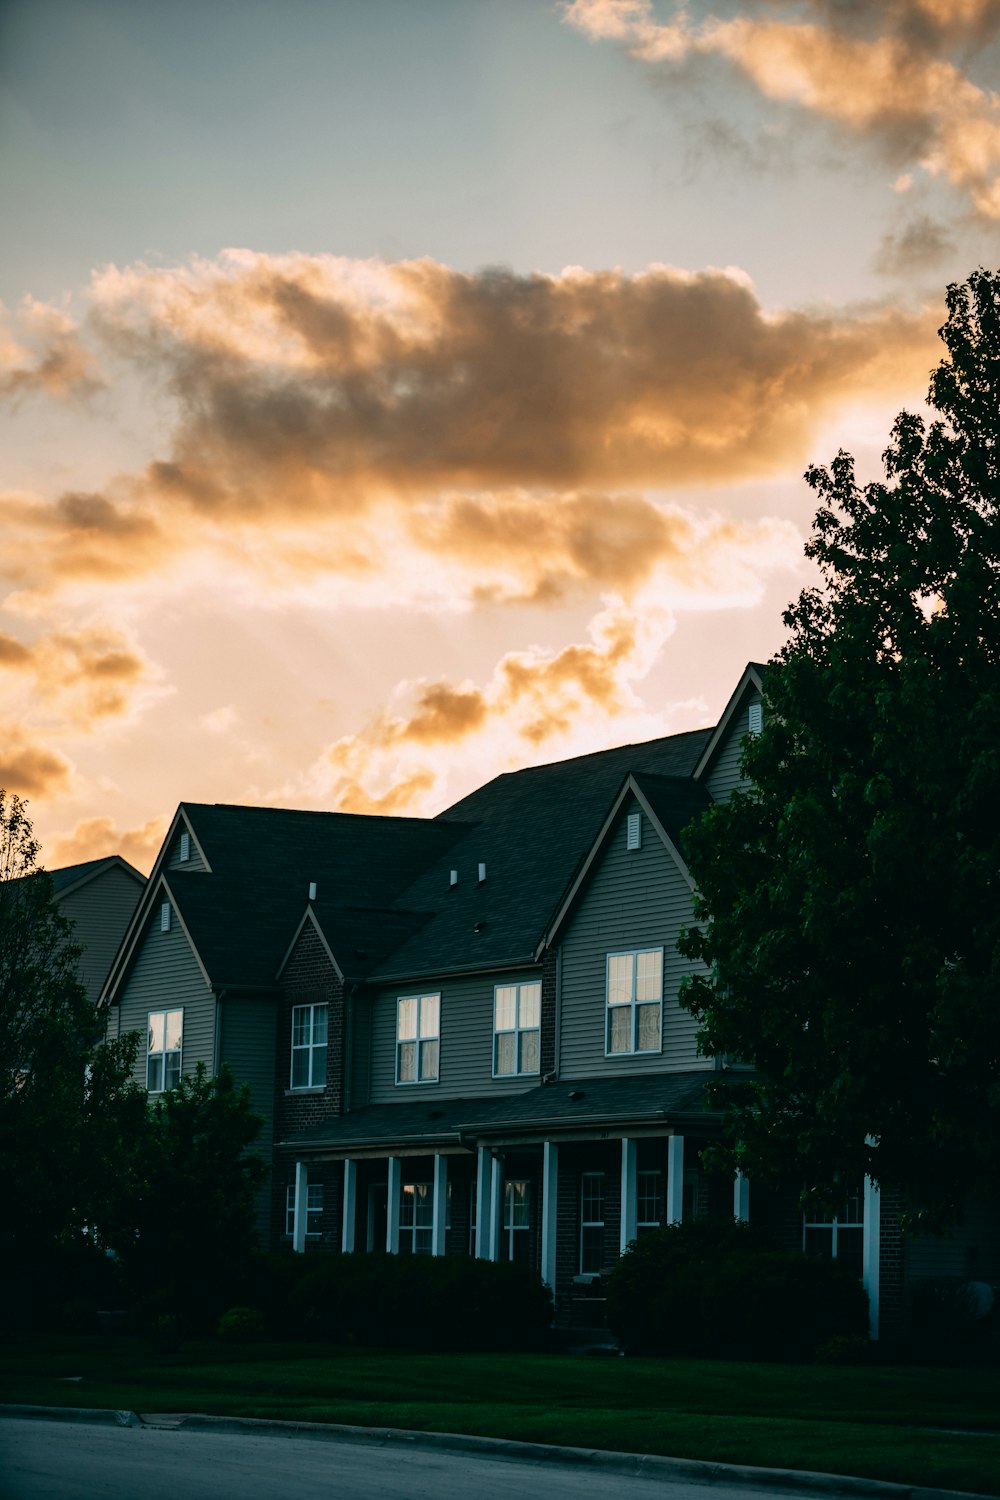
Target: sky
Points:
(398, 392)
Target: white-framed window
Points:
(418, 1038)
(314, 1209)
(309, 1036)
(591, 1222)
(635, 1001)
(649, 1201)
(163, 1050)
(839, 1234)
(516, 1221)
(516, 1020)
(416, 1217)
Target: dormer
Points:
(718, 770)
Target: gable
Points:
(718, 769)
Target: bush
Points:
(241, 1324)
(422, 1302)
(711, 1288)
(949, 1324)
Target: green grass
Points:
(876, 1422)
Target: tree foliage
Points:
(850, 897)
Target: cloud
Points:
(41, 352)
(82, 676)
(561, 701)
(919, 245)
(885, 72)
(28, 768)
(95, 838)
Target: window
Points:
(649, 1198)
(591, 1223)
(635, 997)
(418, 1031)
(633, 839)
(516, 1222)
(163, 1053)
(516, 1010)
(838, 1233)
(309, 1032)
(416, 1217)
(314, 1208)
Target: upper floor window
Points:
(516, 1013)
(309, 1033)
(314, 1208)
(840, 1232)
(635, 1001)
(418, 1038)
(163, 1052)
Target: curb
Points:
(639, 1465)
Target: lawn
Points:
(877, 1422)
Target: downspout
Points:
(558, 1036)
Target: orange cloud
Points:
(95, 838)
(881, 71)
(28, 768)
(86, 675)
(41, 351)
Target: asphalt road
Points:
(41, 1460)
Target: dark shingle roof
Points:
(675, 801)
(73, 874)
(402, 1124)
(532, 830)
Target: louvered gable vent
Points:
(756, 718)
(184, 851)
(633, 838)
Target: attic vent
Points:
(756, 718)
(482, 873)
(312, 890)
(634, 838)
(453, 877)
(185, 849)
(165, 917)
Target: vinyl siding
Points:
(247, 1044)
(174, 861)
(972, 1250)
(724, 773)
(361, 1051)
(165, 976)
(466, 1056)
(636, 899)
(100, 912)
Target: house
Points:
(463, 1033)
(99, 897)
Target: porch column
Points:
(871, 1235)
(741, 1198)
(392, 1205)
(350, 1206)
(675, 1179)
(483, 1204)
(496, 1207)
(301, 1207)
(550, 1196)
(439, 1221)
(630, 1189)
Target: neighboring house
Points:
(99, 898)
(463, 1033)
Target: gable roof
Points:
(71, 876)
(751, 681)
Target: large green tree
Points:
(850, 897)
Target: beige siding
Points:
(165, 976)
(724, 774)
(100, 911)
(636, 899)
(466, 1058)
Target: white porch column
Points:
(350, 1206)
(392, 1205)
(496, 1207)
(301, 1207)
(870, 1252)
(741, 1198)
(550, 1198)
(675, 1179)
(630, 1192)
(483, 1160)
(439, 1221)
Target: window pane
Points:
(406, 1206)
(318, 1066)
(592, 1196)
(531, 995)
(429, 1008)
(591, 1249)
(300, 1068)
(620, 1029)
(174, 1020)
(649, 968)
(507, 1052)
(300, 1026)
(505, 1007)
(406, 1020)
(516, 1207)
(408, 1062)
(423, 1205)
(320, 1014)
(422, 1242)
(648, 1028)
(154, 1072)
(619, 978)
(850, 1248)
(818, 1241)
(314, 1193)
(172, 1070)
(428, 1059)
(648, 1206)
(156, 1031)
(529, 1052)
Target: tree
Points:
(850, 898)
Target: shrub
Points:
(239, 1325)
(422, 1302)
(710, 1288)
(949, 1323)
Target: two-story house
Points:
(463, 1033)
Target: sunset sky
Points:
(396, 392)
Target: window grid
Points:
(418, 1038)
(591, 1222)
(163, 1050)
(310, 1025)
(648, 1201)
(314, 1209)
(634, 1001)
(516, 1219)
(516, 1023)
(416, 1217)
(838, 1235)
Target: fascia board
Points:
(751, 678)
(126, 948)
(113, 861)
(309, 916)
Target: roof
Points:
(73, 875)
(532, 830)
(408, 1123)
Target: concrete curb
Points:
(644, 1465)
